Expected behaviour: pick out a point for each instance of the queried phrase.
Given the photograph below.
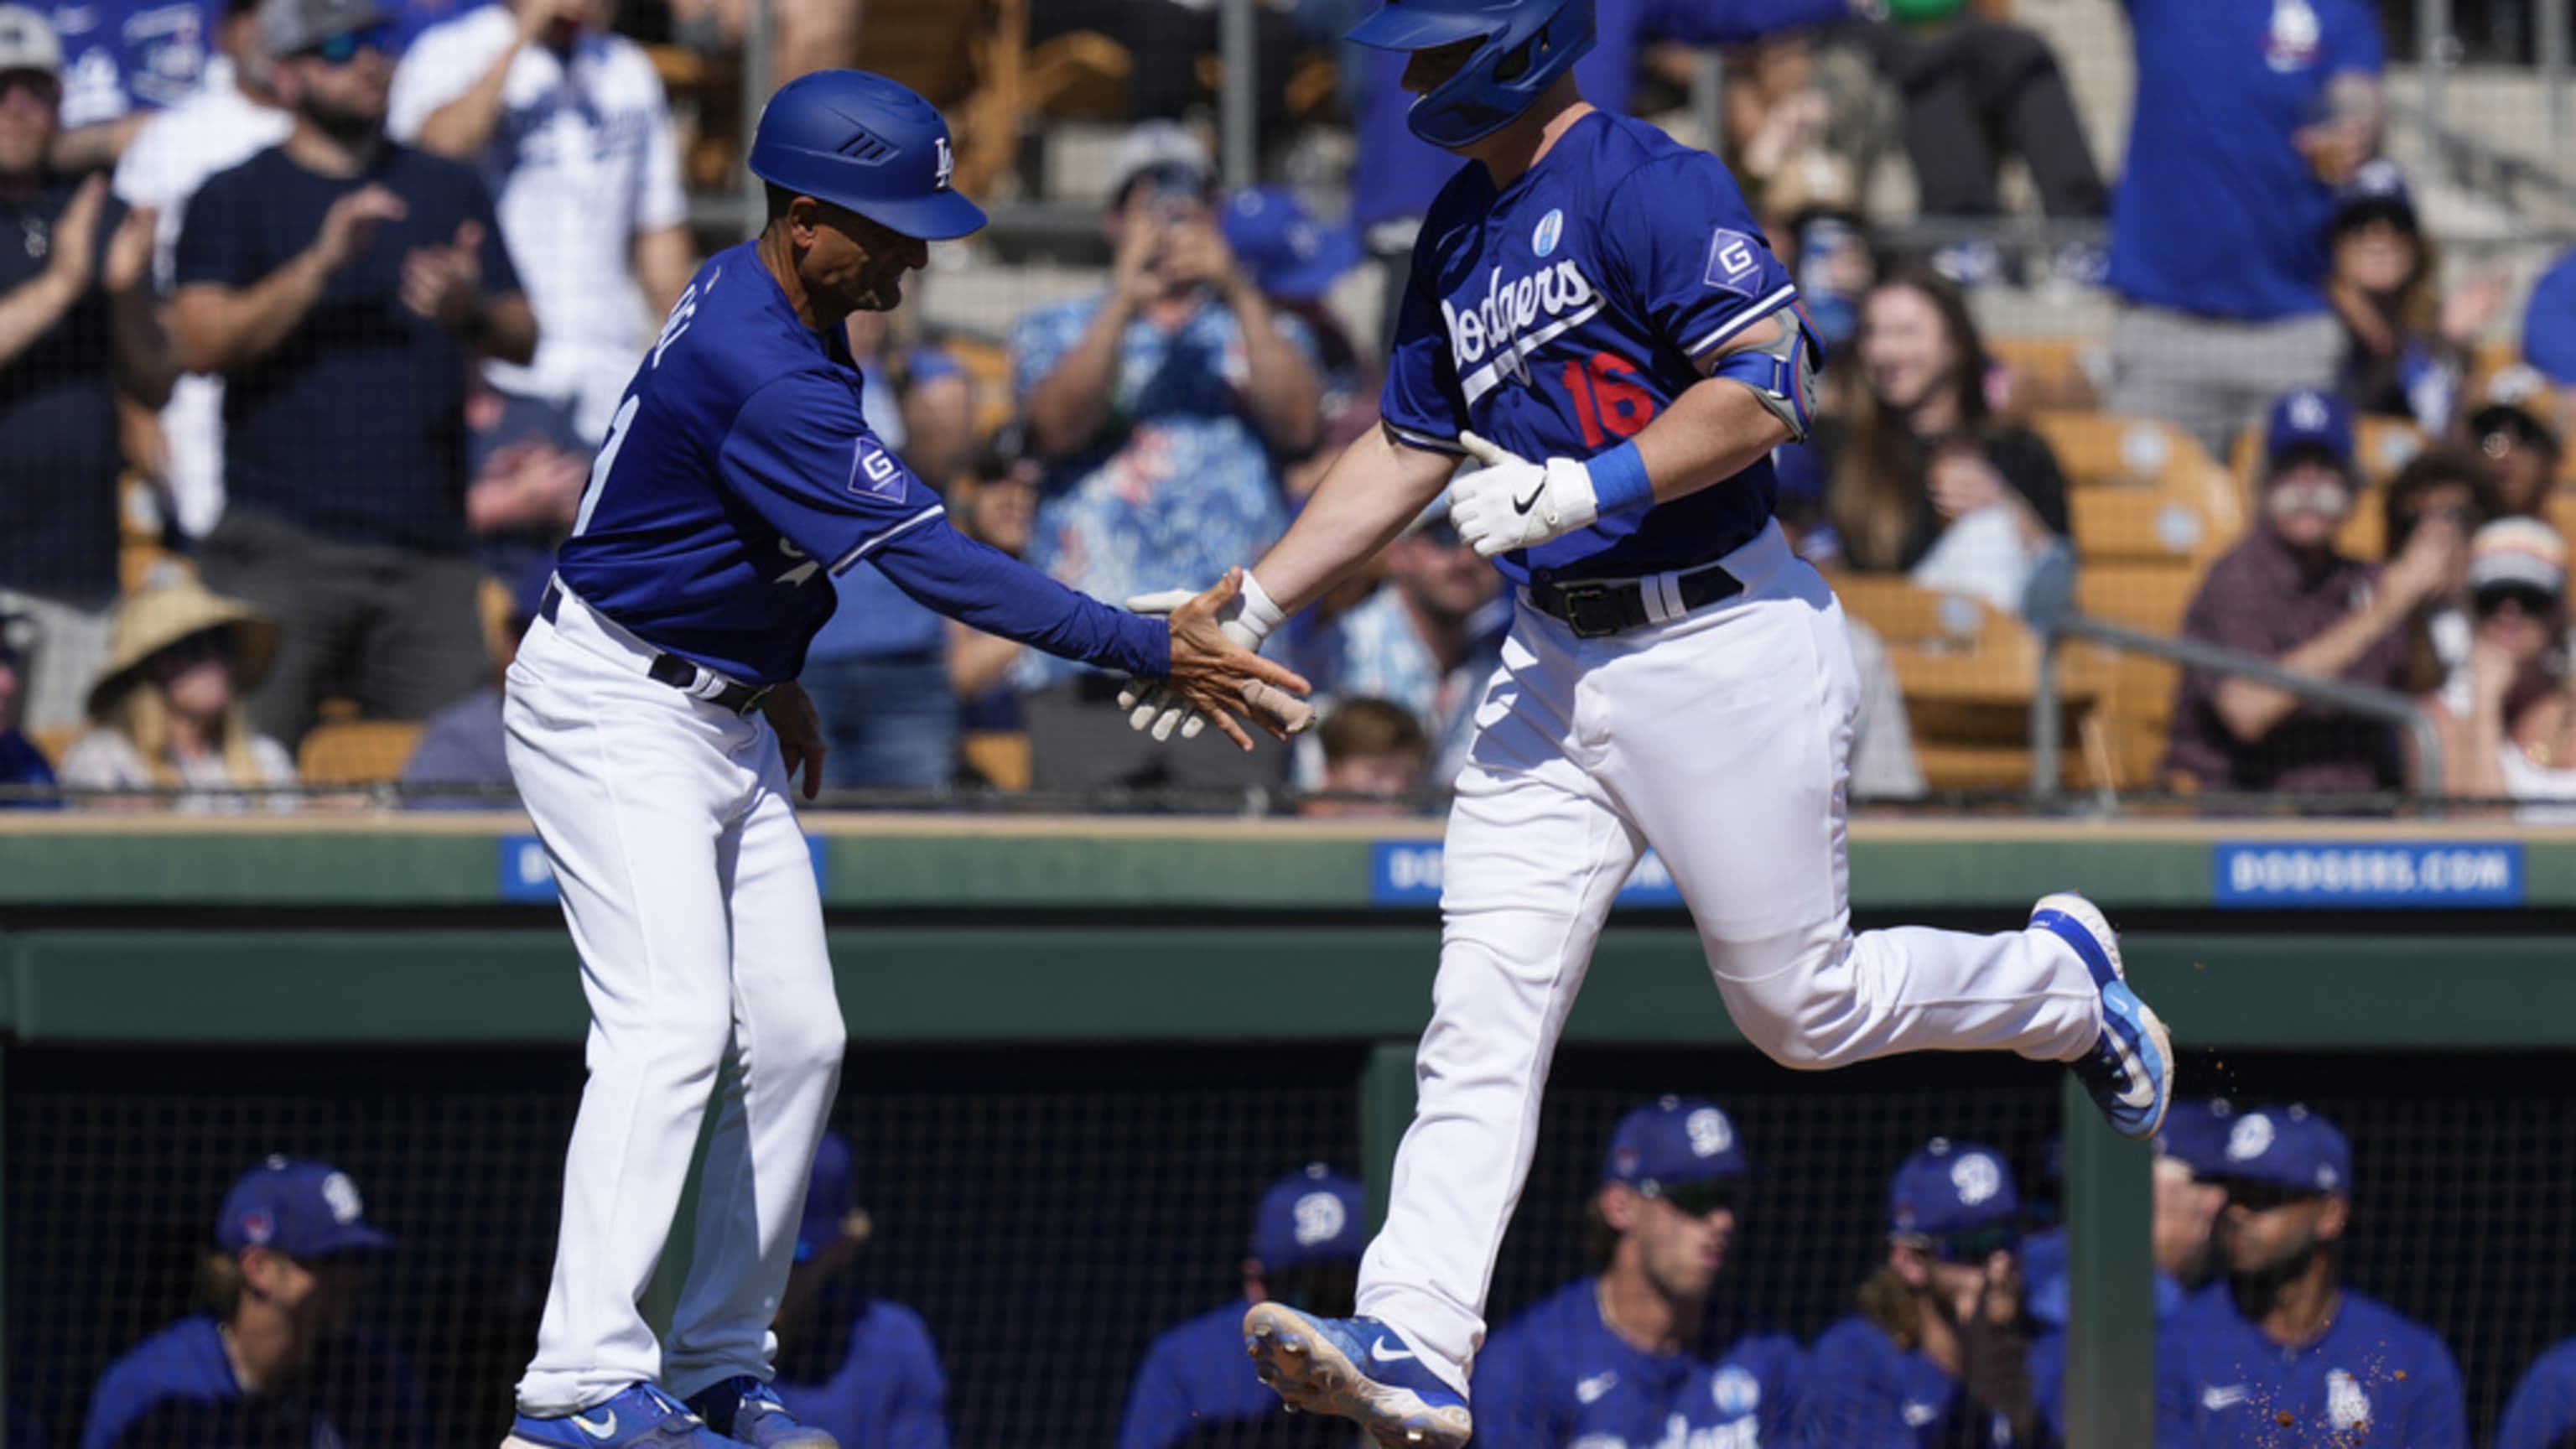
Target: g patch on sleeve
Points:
(1734, 262)
(873, 471)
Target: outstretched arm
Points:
(1373, 490)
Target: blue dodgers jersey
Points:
(2542, 1412)
(1556, 1376)
(2375, 1377)
(1864, 1392)
(736, 475)
(1558, 317)
(177, 1388)
(1194, 1377)
(887, 1393)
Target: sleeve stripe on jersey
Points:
(1426, 441)
(868, 546)
(1513, 354)
(1787, 294)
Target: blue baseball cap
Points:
(1950, 1187)
(2288, 1147)
(1312, 1215)
(831, 1195)
(2309, 420)
(2195, 1133)
(300, 1208)
(2377, 190)
(1289, 254)
(1673, 1142)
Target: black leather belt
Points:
(677, 672)
(1598, 608)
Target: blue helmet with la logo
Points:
(865, 143)
(1523, 46)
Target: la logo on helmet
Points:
(947, 163)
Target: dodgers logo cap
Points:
(302, 1208)
(1951, 1186)
(1673, 1142)
(2289, 1147)
(1313, 1215)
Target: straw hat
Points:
(153, 620)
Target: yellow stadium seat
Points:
(999, 757)
(2138, 688)
(1966, 670)
(52, 742)
(2108, 449)
(988, 373)
(356, 752)
(2047, 372)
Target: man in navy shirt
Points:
(859, 1367)
(1620, 1360)
(274, 1361)
(2250, 113)
(76, 326)
(2288, 1358)
(342, 284)
(1936, 1358)
(1191, 1389)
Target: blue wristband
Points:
(1619, 481)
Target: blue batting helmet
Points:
(863, 142)
(1526, 45)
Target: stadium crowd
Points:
(1955, 1334)
(324, 305)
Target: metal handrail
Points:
(2385, 705)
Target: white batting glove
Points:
(1512, 502)
(1247, 620)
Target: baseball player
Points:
(654, 722)
(1612, 1361)
(2289, 1358)
(1595, 318)
(2542, 1412)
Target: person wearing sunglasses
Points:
(1632, 1355)
(2515, 739)
(1938, 1355)
(2287, 1357)
(343, 286)
(2516, 432)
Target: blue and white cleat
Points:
(2130, 1069)
(1356, 1369)
(642, 1417)
(746, 1411)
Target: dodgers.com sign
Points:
(1407, 873)
(2328, 874)
(526, 879)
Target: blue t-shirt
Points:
(1863, 1392)
(1560, 316)
(1556, 1375)
(176, 1390)
(888, 1392)
(463, 744)
(2542, 1412)
(2220, 1384)
(2216, 213)
(2549, 323)
(58, 421)
(353, 426)
(739, 477)
(1194, 1376)
(123, 56)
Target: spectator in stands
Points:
(998, 508)
(1428, 639)
(1924, 478)
(2549, 330)
(22, 765)
(167, 712)
(231, 117)
(528, 464)
(123, 61)
(567, 125)
(2408, 345)
(2288, 1355)
(2542, 1412)
(878, 670)
(1160, 407)
(460, 761)
(2260, 109)
(1191, 1388)
(1974, 87)
(1376, 755)
(2516, 429)
(1637, 1352)
(856, 1366)
(1938, 1354)
(1295, 259)
(274, 1357)
(76, 327)
(2453, 487)
(340, 284)
(2515, 739)
(2285, 594)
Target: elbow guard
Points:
(1782, 373)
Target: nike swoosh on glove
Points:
(1513, 503)
(1247, 620)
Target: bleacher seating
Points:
(1967, 670)
(355, 752)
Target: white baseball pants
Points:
(692, 899)
(1721, 739)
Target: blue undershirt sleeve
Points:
(976, 584)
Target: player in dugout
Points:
(851, 1365)
(1191, 1389)
(1621, 1357)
